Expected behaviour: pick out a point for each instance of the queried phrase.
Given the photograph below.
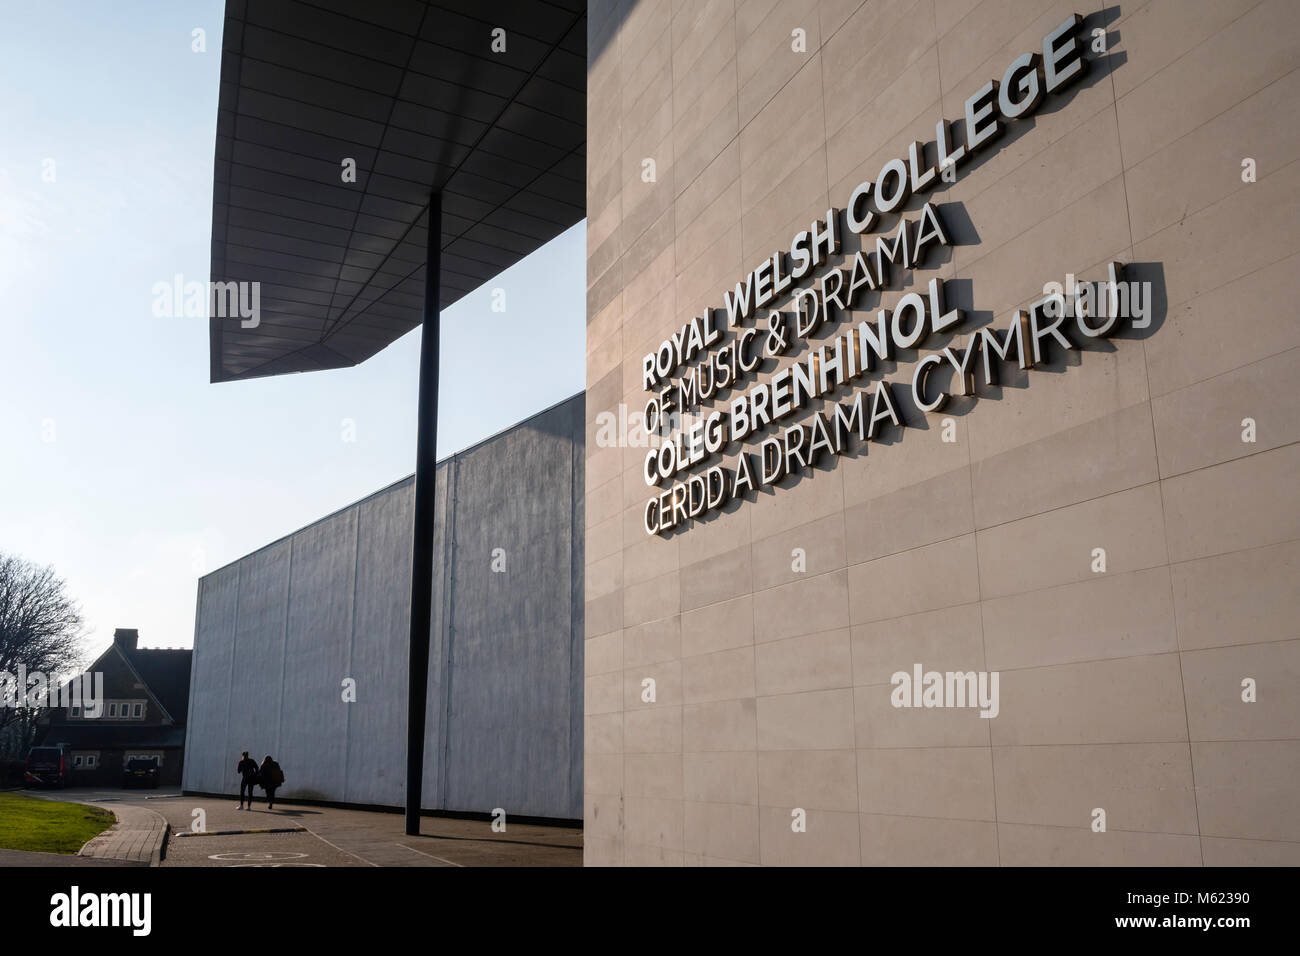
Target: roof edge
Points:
(393, 484)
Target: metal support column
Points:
(426, 464)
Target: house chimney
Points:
(126, 638)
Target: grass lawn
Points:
(48, 826)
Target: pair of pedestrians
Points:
(268, 776)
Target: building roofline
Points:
(130, 665)
(391, 485)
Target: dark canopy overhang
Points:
(414, 93)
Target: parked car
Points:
(46, 767)
(141, 772)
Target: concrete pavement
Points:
(138, 836)
(10, 858)
(332, 836)
(300, 849)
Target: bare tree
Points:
(40, 628)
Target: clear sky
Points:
(122, 467)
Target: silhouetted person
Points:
(247, 770)
(270, 777)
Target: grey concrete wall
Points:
(278, 631)
(1120, 690)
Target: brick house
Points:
(146, 698)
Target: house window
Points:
(112, 710)
(74, 710)
(76, 761)
(137, 710)
(91, 760)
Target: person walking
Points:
(247, 770)
(270, 776)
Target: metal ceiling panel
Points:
(413, 92)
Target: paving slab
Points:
(379, 837)
(137, 837)
(300, 849)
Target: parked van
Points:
(46, 767)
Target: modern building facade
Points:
(1099, 536)
(373, 163)
(937, 500)
(300, 647)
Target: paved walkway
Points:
(328, 836)
(32, 858)
(138, 836)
